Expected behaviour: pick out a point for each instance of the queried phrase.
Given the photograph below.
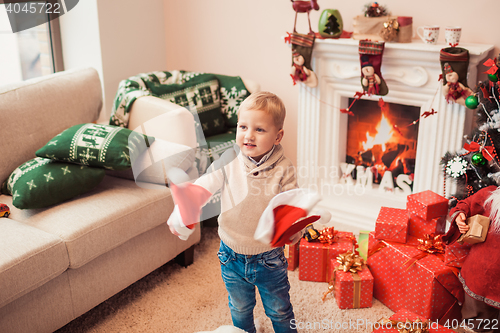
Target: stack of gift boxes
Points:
(399, 272)
(319, 262)
(411, 269)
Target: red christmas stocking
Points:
(301, 71)
(370, 56)
(455, 64)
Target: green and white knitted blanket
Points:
(231, 89)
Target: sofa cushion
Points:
(42, 182)
(32, 115)
(104, 146)
(102, 219)
(29, 258)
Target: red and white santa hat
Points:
(288, 213)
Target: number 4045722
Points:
(33, 8)
(470, 323)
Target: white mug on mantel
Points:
(428, 33)
(452, 35)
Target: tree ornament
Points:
(493, 77)
(478, 159)
(471, 102)
(330, 23)
(456, 167)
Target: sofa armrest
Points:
(164, 120)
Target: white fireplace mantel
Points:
(411, 71)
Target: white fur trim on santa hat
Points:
(494, 201)
(300, 198)
(175, 222)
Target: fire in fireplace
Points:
(374, 142)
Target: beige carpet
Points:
(192, 299)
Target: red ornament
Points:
(428, 113)
(304, 7)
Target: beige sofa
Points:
(59, 262)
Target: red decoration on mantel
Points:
(304, 7)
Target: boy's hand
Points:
(177, 226)
(461, 223)
(189, 199)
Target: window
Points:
(30, 39)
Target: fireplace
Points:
(326, 158)
(382, 138)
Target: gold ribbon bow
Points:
(407, 326)
(430, 244)
(348, 262)
(328, 235)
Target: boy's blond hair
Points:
(268, 102)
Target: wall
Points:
(119, 38)
(245, 37)
(80, 37)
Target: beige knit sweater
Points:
(246, 192)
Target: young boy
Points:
(250, 174)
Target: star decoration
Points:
(48, 176)
(125, 155)
(65, 170)
(456, 167)
(31, 184)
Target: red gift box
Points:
(427, 205)
(352, 290)
(315, 257)
(401, 316)
(419, 227)
(427, 287)
(292, 256)
(392, 224)
(456, 253)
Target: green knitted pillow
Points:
(42, 182)
(102, 146)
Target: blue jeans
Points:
(268, 272)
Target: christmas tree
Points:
(332, 27)
(477, 165)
